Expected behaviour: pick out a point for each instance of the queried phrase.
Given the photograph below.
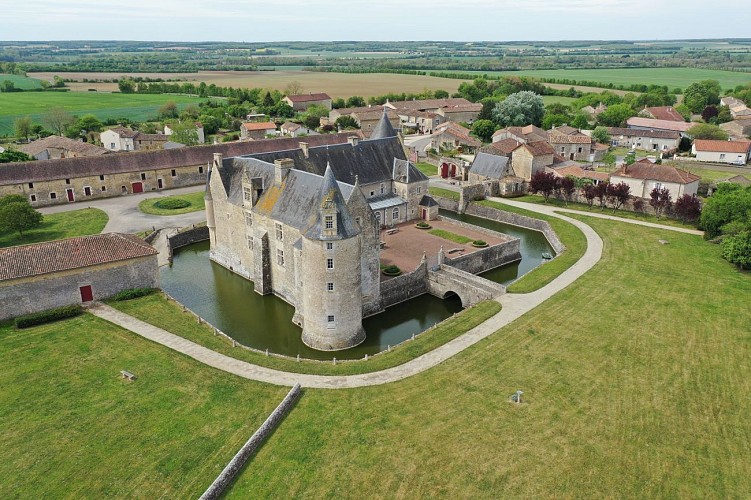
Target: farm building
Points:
(643, 176)
(55, 147)
(733, 152)
(303, 101)
(58, 273)
(646, 140)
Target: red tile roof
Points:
(722, 146)
(502, 147)
(309, 97)
(577, 138)
(259, 126)
(645, 169)
(73, 253)
(649, 123)
(665, 113)
(539, 148)
(577, 171)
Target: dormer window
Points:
(329, 221)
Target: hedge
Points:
(48, 316)
(172, 203)
(133, 293)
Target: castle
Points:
(304, 224)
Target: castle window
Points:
(329, 263)
(330, 321)
(383, 188)
(200, 170)
(247, 195)
(329, 221)
(395, 214)
(372, 193)
(250, 242)
(279, 232)
(248, 219)
(329, 246)
(330, 287)
(419, 190)
(280, 257)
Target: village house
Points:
(198, 128)
(55, 147)
(738, 129)
(573, 170)
(71, 180)
(738, 108)
(643, 176)
(733, 152)
(640, 123)
(659, 141)
(125, 139)
(73, 271)
(292, 129)
(593, 112)
(453, 109)
(571, 144)
(419, 122)
(253, 131)
(302, 102)
(667, 113)
(528, 133)
(452, 136)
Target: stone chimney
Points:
(281, 169)
(353, 140)
(304, 147)
(217, 160)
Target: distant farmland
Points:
(139, 107)
(21, 82)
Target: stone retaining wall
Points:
(252, 445)
(188, 237)
(404, 287)
(487, 258)
(517, 220)
(470, 193)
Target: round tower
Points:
(331, 285)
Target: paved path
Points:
(514, 306)
(124, 216)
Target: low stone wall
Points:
(188, 237)
(489, 258)
(446, 203)
(252, 445)
(517, 220)
(470, 193)
(404, 287)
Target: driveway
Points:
(124, 216)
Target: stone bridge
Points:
(471, 289)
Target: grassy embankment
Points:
(58, 226)
(634, 385)
(148, 206)
(427, 168)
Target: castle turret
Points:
(331, 288)
(209, 200)
(383, 128)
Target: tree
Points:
(590, 192)
(356, 102)
(609, 159)
(293, 88)
(23, 127)
(709, 113)
(338, 103)
(483, 129)
(688, 207)
(57, 119)
(191, 112)
(184, 133)
(568, 188)
(618, 194)
(544, 183)
(616, 115)
(630, 158)
(707, 131)
(168, 111)
(268, 101)
(11, 155)
(441, 94)
(737, 249)
(519, 109)
(730, 203)
(17, 214)
(346, 122)
(8, 86)
(699, 95)
(550, 120)
(580, 121)
(314, 114)
(601, 193)
(601, 135)
(660, 200)
(126, 85)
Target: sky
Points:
(461, 20)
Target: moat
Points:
(228, 301)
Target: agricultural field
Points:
(550, 99)
(672, 77)
(138, 107)
(335, 84)
(21, 82)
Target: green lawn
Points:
(73, 428)
(636, 386)
(444, 193)
(672, 77)
(21, 82)
(155, 309)
(138, 107)
(58, 226)
(706, 172)
(195, 199)
(448, 235)
(427, 168)
(625, 214)
(571, 237)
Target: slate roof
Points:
(489, 165)
(405, 171)
(330, 195)
(722, 146)
(144, 161)
(72, 253)
(57, 142)
(387, 200)
(635, 132)
(647, 170)
(384, 128)
(308, 97)
(427, 201)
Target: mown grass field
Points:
(672, 77)
(636, 386)
(148, 206)
(58, 226)
(21, 82)
(73, 428)
(139, 107)
(551, 99)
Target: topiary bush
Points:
(479, 243)
(47, 316)
(133, 293)
(391, 270)
(423, 225)
(172, 203)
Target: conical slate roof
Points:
(331, 197)
(384, 128)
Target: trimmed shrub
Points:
(172, 203)
(423, 225)
(48, 316)
(392, 270)
(479, 243)
(133, 293)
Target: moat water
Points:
(228, 301)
